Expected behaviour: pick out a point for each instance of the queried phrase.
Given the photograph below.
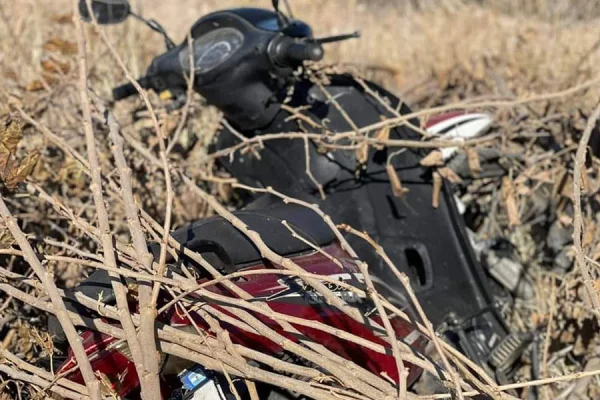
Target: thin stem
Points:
(46, 278)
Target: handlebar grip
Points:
(124, 91)
(128, 89)
(298, 52)
(289, 52)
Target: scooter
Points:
(252, 65)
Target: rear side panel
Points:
(290, 296)
(283, 294)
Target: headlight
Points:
(212, 49)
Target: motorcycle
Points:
(251, 64)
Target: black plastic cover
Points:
(217, 235)
(429, 244)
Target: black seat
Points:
(222, 245)
(225, 246)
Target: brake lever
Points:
(338, 38)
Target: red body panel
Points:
(113, 365)
(286, 295)
(436, 119)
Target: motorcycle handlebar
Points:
(283, 51)
(129, 89)
(286, 51)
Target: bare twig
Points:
(149, 382)
(269, 254)
(61, 311)
(346, 246)
(548, 338)
(25, 366)
(189, 97)
(37, 380)
(578, 169)
(372, 292)
(406, 284)
(147, 295)
(308, 171)
(184, 345)
(311, 245)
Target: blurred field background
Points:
(430, 52)
(539, 44)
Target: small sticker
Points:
(191, 379)
(412, 337)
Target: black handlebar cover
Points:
(129, 89)
(289, 52)
(298, 52)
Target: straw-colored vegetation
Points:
(430, 52)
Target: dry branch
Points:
(149, 382)
(125, 261)
(578, 170)
(61, 311)
(42, 383)
(147, 296)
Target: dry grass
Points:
(432, 51)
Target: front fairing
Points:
(334, 170)
(428, 244)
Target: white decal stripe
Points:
(445, 124)
(465, 127)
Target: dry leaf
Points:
(63, 19)
(11, 75)
(397, 188)
(10, 136)
(589, 234)
(449, 175)
(143, 123)
(443, 76)
(5, 156)
(51, 71)
(362, 153)
(566, 337)
(12, 133)
(6, 238)
(473, 160)
(567, 188)
(39, 85)
(35, 86)
(579, 120)
(523, 190)
(58, 45)
(510, 201)
(437, 189)
(225, 191)
(168, 123)
(433, 159)
(565, 220)
(17, 175)
(521, 179)
(52, 65)
(543, 176)
(585, 184)
(382, 136)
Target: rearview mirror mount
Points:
(105, 11)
